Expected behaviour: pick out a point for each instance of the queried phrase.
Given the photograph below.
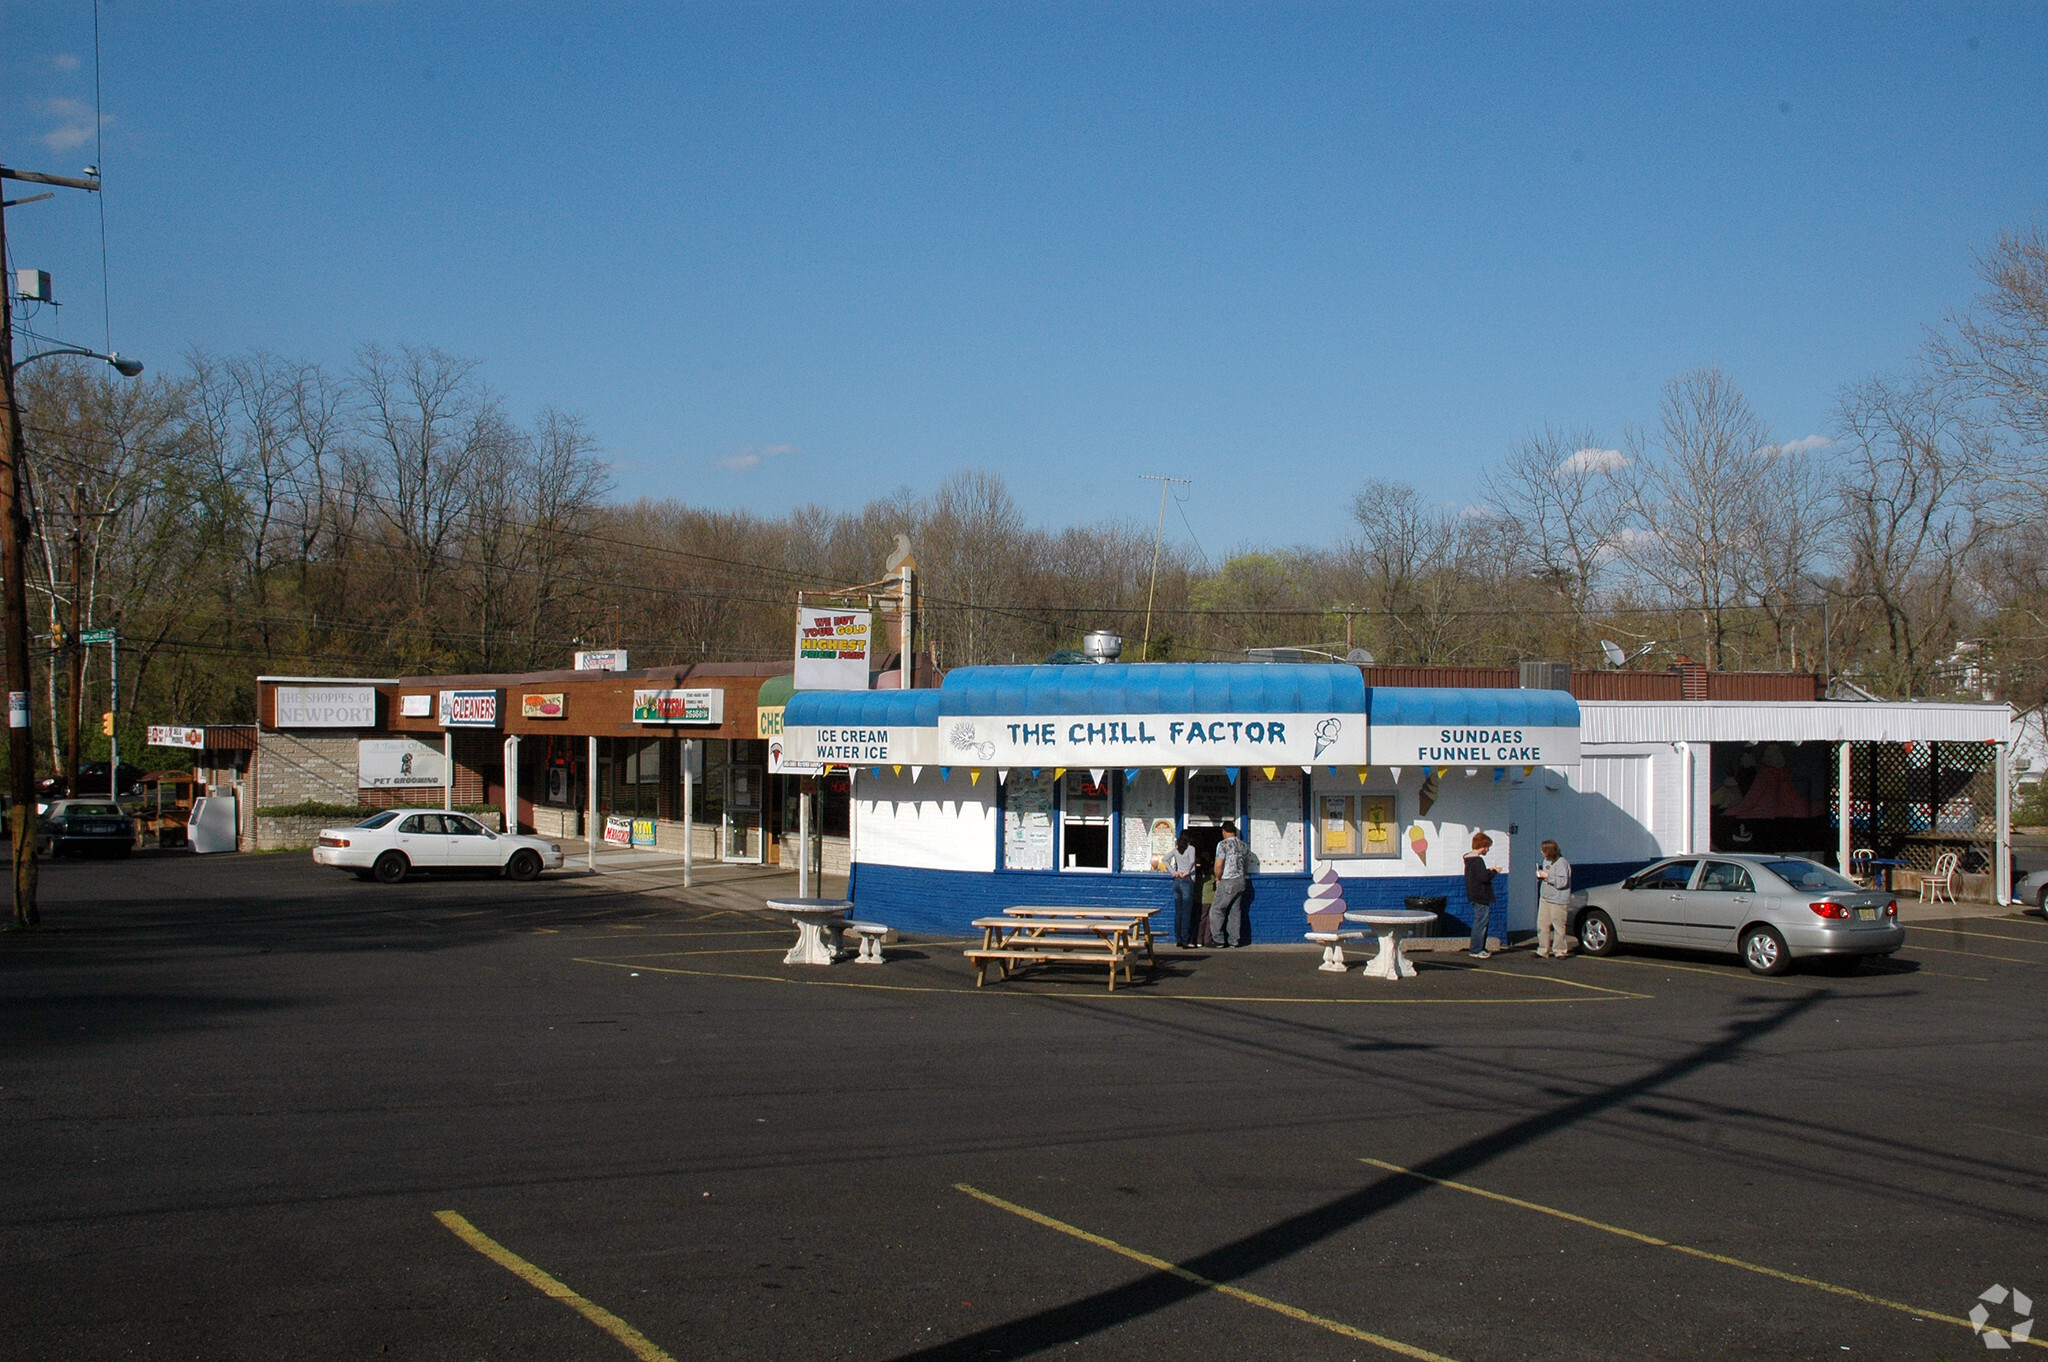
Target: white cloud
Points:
(74, 123)
(1805, 445)
(1594, 461)
(753, 456)
(65, 61)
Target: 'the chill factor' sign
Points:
(469, 709)
(1450, 745)
(679, 706)
(1199, 740)
(832, 648)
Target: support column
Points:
(803, 837)
(591, 831)
(2001, 861)
(1685, 802)
(512, 783)
(447, 768)
(1845, 802)
(689, 810)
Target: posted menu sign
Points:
(679, 706)
(326, 707)
(832, 648)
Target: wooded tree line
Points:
(253, 514)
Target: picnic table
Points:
(1390, 927)
(1037, 935)
(814, 919)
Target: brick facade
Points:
(296, 766)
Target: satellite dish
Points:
(1615, 656)
(1359, 656)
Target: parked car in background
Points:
(86, 825)
(2032, 888)
(389, 845)
(1770, 910)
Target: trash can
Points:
(1429, 903)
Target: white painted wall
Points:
(939, 825)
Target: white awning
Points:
(1652, 721)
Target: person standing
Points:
(1479, 891)
(1553, 902)
(1182, 864)
(1226, 913)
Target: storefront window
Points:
(835, 799)
(1212, 798)
(1084, 823)
(1149, 823)
(709, 802)
(1027, 822)
(1275, 832)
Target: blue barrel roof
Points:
(1155, 688)
(1428, 706)
(863, 709)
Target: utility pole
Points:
(1165, 486)
(74, 711)
(21, 744)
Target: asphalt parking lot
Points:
(255, 1110)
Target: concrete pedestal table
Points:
(814, 918)
(1391, 928)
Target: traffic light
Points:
(107, 723)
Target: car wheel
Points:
(524, 865)
(1596, 933)
(1763, 950)
(2041, 897)
(391, 867)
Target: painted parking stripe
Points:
(1980, 955)
(636, 1342)
(1392, 1345)
(1986, 936)
(1691, 1252)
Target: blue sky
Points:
(780, 254)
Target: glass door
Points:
(746, 787)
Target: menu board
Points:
(1275, 822)
(1212, 798)
(1149, 827)
(1027, 822)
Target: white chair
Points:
(1860, 867)
(1940, 880)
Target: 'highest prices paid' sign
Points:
(832, 648)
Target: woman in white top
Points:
(1182, 864)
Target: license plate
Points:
(1866, 914)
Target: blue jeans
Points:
(1186, 931)
(1482, 913)
(1226, 910)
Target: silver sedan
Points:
(1770, 910)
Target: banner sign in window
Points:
(469, 709)
(832, 648)
(397, 764)
(618, 831)
(177, 735)
(679, 706)
(326, 707)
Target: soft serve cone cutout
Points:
(1325, 905)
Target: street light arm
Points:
(128, 366)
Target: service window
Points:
(1275, 828)
(1027, 821)
(1149, 824)
(1084, 823)
(1212, 798)
(1350, 826)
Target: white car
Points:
(385, 846)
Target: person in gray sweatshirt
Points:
(1554, 902)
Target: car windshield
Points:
(378, 820)
(1811, 875)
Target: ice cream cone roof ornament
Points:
(1325, 904)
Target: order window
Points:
(1350, 826)
(1084, 823)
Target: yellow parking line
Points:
(636, 1342)
(1392, 1345)
(1721, 1258)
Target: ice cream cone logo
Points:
(1418, 838)
(1326, 734)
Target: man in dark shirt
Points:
(1479, 890)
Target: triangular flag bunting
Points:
(945, 773)
(1307, 770)
(1231, 772)
(1528, 771)
(1363, 772)
(1130, 775)
(1397, 773)
(1058, 771)
(915, 772)
(1168, 771)
(1002, 774)
(876, 772)
(1499, 774)
(1095, 775)
(974, 776)
(1269, 770)
(1037, 771)
(896, 770)
(1442, 771)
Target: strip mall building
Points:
(1066, 785)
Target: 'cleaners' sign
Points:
(469, 709)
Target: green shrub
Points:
(356, 813)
